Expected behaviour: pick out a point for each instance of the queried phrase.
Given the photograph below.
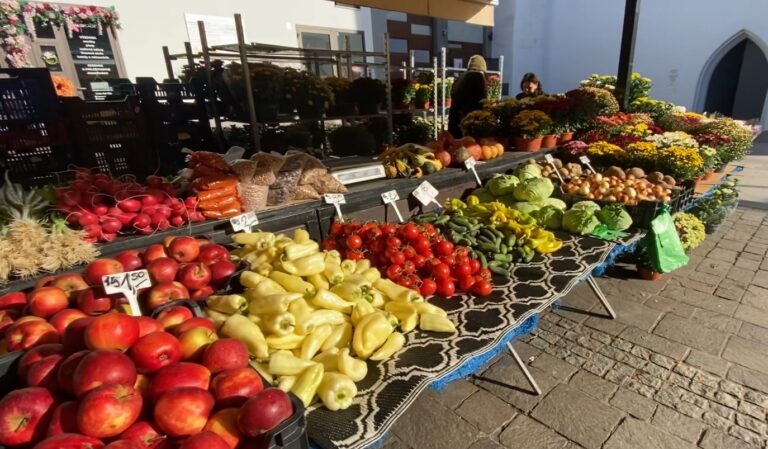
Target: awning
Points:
(478, 12)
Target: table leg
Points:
(524, 369)
(601, 296)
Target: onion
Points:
(602, 190)
(631, 192)
(610, 198)
(591, 196)
(584, 190)
(598, 177)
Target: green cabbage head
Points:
(534, 190)
(587, 205)
(580, 221)
(614, 217)
(501, 185)
(528, 171)
(549, 217)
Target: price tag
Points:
(128, 284)
(426, 194)
(551, 161)
(337, 199)
(391, 197)
(244, 222)
(470, 165)
(585, 160)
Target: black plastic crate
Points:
(292, 433)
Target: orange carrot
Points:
(213, 194)
(219, 203)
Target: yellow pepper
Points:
(271, 304)
(324, 299)
(284, 363)
(319, 281)
(339, 338)
(229, 304)
(241, 328)
(371, 332)
(262, 369)
(362, 265)
(307, 383)
(436, 323)
(372, 274)
(376, 298)
(300, 235)
(352, 291)
(292, 283)
(329, 359)
(300, 309)
(296, 251)
(290, 341)
(425, 307)
(259, 240)
(406, 314)
(396, 292)
(394, 343)
(348, 267)
(314, 341)
(255, 319)
(218, 318)
(280, 324)
(336, 391)
(285, 383)
(250, 279)
(264, 269)
(318, 318)
(472, 200)
(304, 266)
(356, 369)
(361, 309)
(266, 287)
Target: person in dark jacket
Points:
(467, 93)
(530, 86)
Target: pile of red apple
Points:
(123, 382)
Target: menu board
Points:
(92, 54)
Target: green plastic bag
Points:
(665, 251)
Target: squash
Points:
(489, 152)
(499, 149)
(444, 157)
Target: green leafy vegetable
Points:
(550, 217)
(615, 217)
(580, 221)
(587, 205)
(534, 190)
(501, 185)
(528, 171)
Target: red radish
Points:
(92, 230)
(80, 185)
(170, 190)
(108, 237)
(100, 177)
(129, 205)
(191, 202)
(154, 181)
(126, 219)
(87, 218)
(148, 200)
(177, 221)
(71, 198)
(73, 217)
(145, 230)
(111, 225)
(100, 210)
(164, 210)
(142, 221)
(102, 185)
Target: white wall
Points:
(147, 26)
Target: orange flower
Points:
(64, 87)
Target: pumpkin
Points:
(489, 152)
(476, 151)
(499, 149)
(444, 157)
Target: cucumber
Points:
(457, 228)
(504, 248)
(498, 268)
(461, 221)
(483, 260)
(487, 247)
(511, 240)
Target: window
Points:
(319, 41)
(398, 46)
(421, 30)
(422, 56)
(330, 39)
(397, 16)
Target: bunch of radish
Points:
(104, 206)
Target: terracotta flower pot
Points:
(530, 145)
(549, 141)
(711, 175)
(448, 102)
(648, 274)
(565, 137)
(424, 105)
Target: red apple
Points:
(196, 404)
(163, 269)
(194, 341)
(73, 338)
(145, 434)
(63, 419)
(46, 301)
(34, 355)
(205, 440)
(123, 444)
(212, 253)
(43, 372)
(224, 424)
(221, 272)
(64, 318)
(7, 318)
(142, 386)
(264, 411)
(165, 293)
(14, 300)
(112, 331)
(184, 249)
(173, 316)
(108, 410)
(69, 441)
(70, 283)
(45, 281)
(26, 334)
(225, 354)
(195, 276)
(202, 293)
(24, 415)
(179, 375)
(153, 252)
(193, 323)
(94, 301)
(231, 388)
(99, 268)
(148, 325)
(130, 260)
(103, 367)
(154, 351)
(65, 377)
(167, 241)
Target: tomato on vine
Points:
(354, 242)
(428, 287)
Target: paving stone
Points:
(717, 321)
(687, 333)
(699, 299)
(656, 371)
(555, 367)
(538, 343)
(592, 385)
(417, 426)
(654, 343)
(756, 297)
(650, 380)
(732, 245)
(525, 433)
(746, 353)
(726, 399)
(751, 423)
(598, 365)
(670, 305)
(679, 380)
(731, 290)
(752, 315)
(486, 443)
(524, 350)
(723, 411)
(606, 325)
(761, 278)
(689, 409)
(726, 255)
(716, 421)
(575, 360)
(707, 362)
(602, 337)
(393, 442)
(676, 424)
(741, 275)
(756, 398)
(563, 410)
(634, 434)
(669, 395)
(752, 410)
(749, 264)
(486, 412)
(746, 435)
(714, 439)
(694, 399)
(732, 388)
(505, 381)
(582, 352)
(748, 377)
(622, 344)
(714, 267)
(454, 393)
(703, 390)
(636, 405)
(589, 343)
(707, 379)
(634, 313)
(660, 360)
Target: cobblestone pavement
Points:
(684, 365)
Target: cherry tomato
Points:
(428, 287)
(373, 233)
(337, 229)
(461, 259)
(388, 229)
(409, 267)
(330, 244)
(449, 260)
(482, 288)
(441, 271)
(394, 242)
(429, 230)
(397, 257)
(419, 260)
(409, 232)
(462, 269)
(466, 283)
(446, 288)
(422, 245)
(354, 254)
(406, 281)
(415, 281)
(409, 252)
(485, 274)
(444, 248)
(351, 228)
(377, 246)
(394, 271)
(354, 242)
(474, 266)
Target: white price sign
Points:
(585, 160)
(470, 165)
(551, 161)
(337, 199)
(244, 222)
(127, 284)
(392, 197)
(426, 194)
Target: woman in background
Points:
(530, 86)
(467, 93)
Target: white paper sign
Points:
(585, 160)
(426, 193)
(244, 222)
(551, 161)
(127, 284)
(391, 198)
(337, 199)
(470, 165)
